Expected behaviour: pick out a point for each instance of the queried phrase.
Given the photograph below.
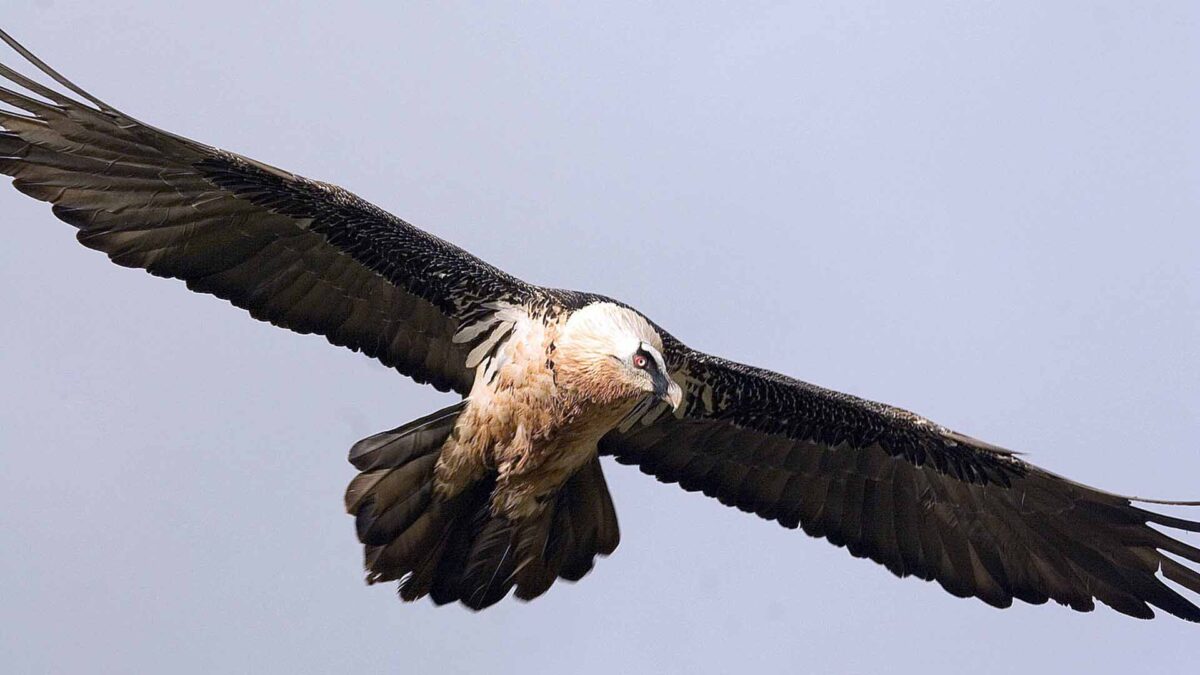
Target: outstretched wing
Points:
(299, 253)
(914, 496)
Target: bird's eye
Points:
(639, 361)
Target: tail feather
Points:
(378, 524)
(399, 557)
(398, 446)
(533, 576)
(456, 549)
(548, 547)
(449, 570)
(491, 563)
(593, 517)
(434, 565)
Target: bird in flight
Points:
(503, 491)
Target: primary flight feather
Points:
(504, 490)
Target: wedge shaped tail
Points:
(457, 549)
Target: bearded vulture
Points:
(504, 490)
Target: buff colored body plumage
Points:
(538, 416)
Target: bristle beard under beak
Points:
(671, 394)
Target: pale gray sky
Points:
(984, 212)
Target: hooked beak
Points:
(667, 391)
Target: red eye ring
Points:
(639, 361)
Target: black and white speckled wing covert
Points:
(301, 254)
(914, 496)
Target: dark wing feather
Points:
(301, 254)
(916, 497)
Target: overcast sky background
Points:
(984, 212)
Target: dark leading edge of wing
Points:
(907, 493)
(301, 254)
